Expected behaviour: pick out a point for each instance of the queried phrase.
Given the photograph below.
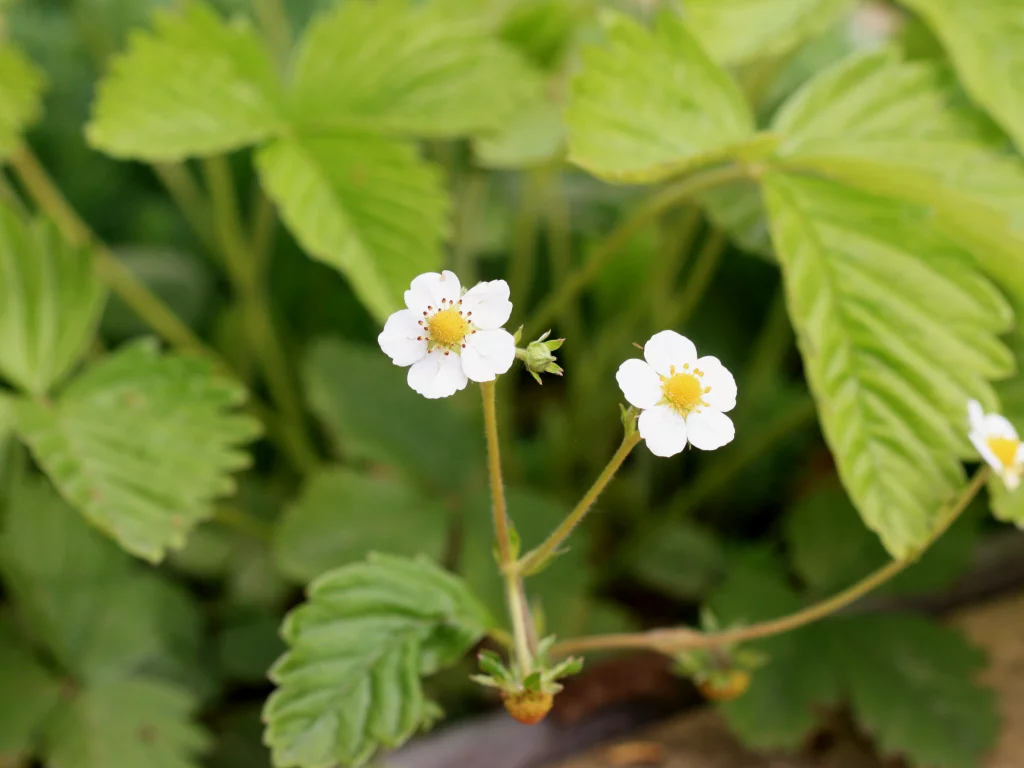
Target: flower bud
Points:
(537, 356)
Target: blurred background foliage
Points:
(753, 530)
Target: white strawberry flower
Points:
(998, 443)
(683, 397)
(448, 336)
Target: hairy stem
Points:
(549, 546)
(651, 209)
(514, 594)
(674, 640)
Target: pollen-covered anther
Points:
(448, 327)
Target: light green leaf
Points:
(911, 683)
(533, 136)
(126, 724)
(830, 549)
(21, 96)
(141, 444)
(97, 610)
(544, 30)
(369, 411)
(342, 514)
(195, 86)
(28, 695)
(367, 206)
(651, 104)
(390, 67)
(985, 46)
(897, 330)
(50, 301)
(742, 31)
(901, 129)
(738, 210)
(350, 682)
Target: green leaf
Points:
(651, 104)
(897, 330)
(342, 514)
(742, 31)
(830, 549)
(369, 412)
(142, 443)
(534, 135)
(28, 695)
(738, 210)
(779, 708)
(390, 67)
(97, 610)
(902, 129)
(911, 683)
(367, 206)
(543, 30)
(681, 559)
(21, 93)
(50, 301)
(248, 644)
(195, 86)
(126, 724)
(351, 679)
(986, 49)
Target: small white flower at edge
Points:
(997, 442)
(449, 337)
(683, 397)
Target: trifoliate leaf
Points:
(195, 85)
(342, 514)
(897, 128)
(141, 444)
(98, 611)
(830, 549)
(21, 96)
(386, 67)
(126, 724)
(897, 330)
(50, 301)
(651, 104)
(367, 206)
(911, 684)
(779, 708)
(985, 47)
(28, 695)
(368, 409)
(741, 31)
(350, 682)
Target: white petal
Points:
(975, 415)
(997, 425)
(667, 349)
(1011, 480)
(722, 396)
(663, 429)
(977, 439)
(437, 375)
(487, 305)
(487, 354)
(639, 383)
(1020, 455)
(428, 289)
(709, 429)
(398, 339)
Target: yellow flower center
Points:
(683, 390)
(1005, 449)
(448, 327)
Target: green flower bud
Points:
(537, 356)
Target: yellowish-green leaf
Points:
(986, 44)
(126, 724)
(50, 301)
(142, 443)
(533, 136)
(367, 206)
(21, 96)
(651, 104)
(350, 682)
(741, 31)
(390, 67)
(342, 514)
(902, 129)
(898, 330)
(196, 85)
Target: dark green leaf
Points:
(27, 696)
(684, 560)
(342, 514)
